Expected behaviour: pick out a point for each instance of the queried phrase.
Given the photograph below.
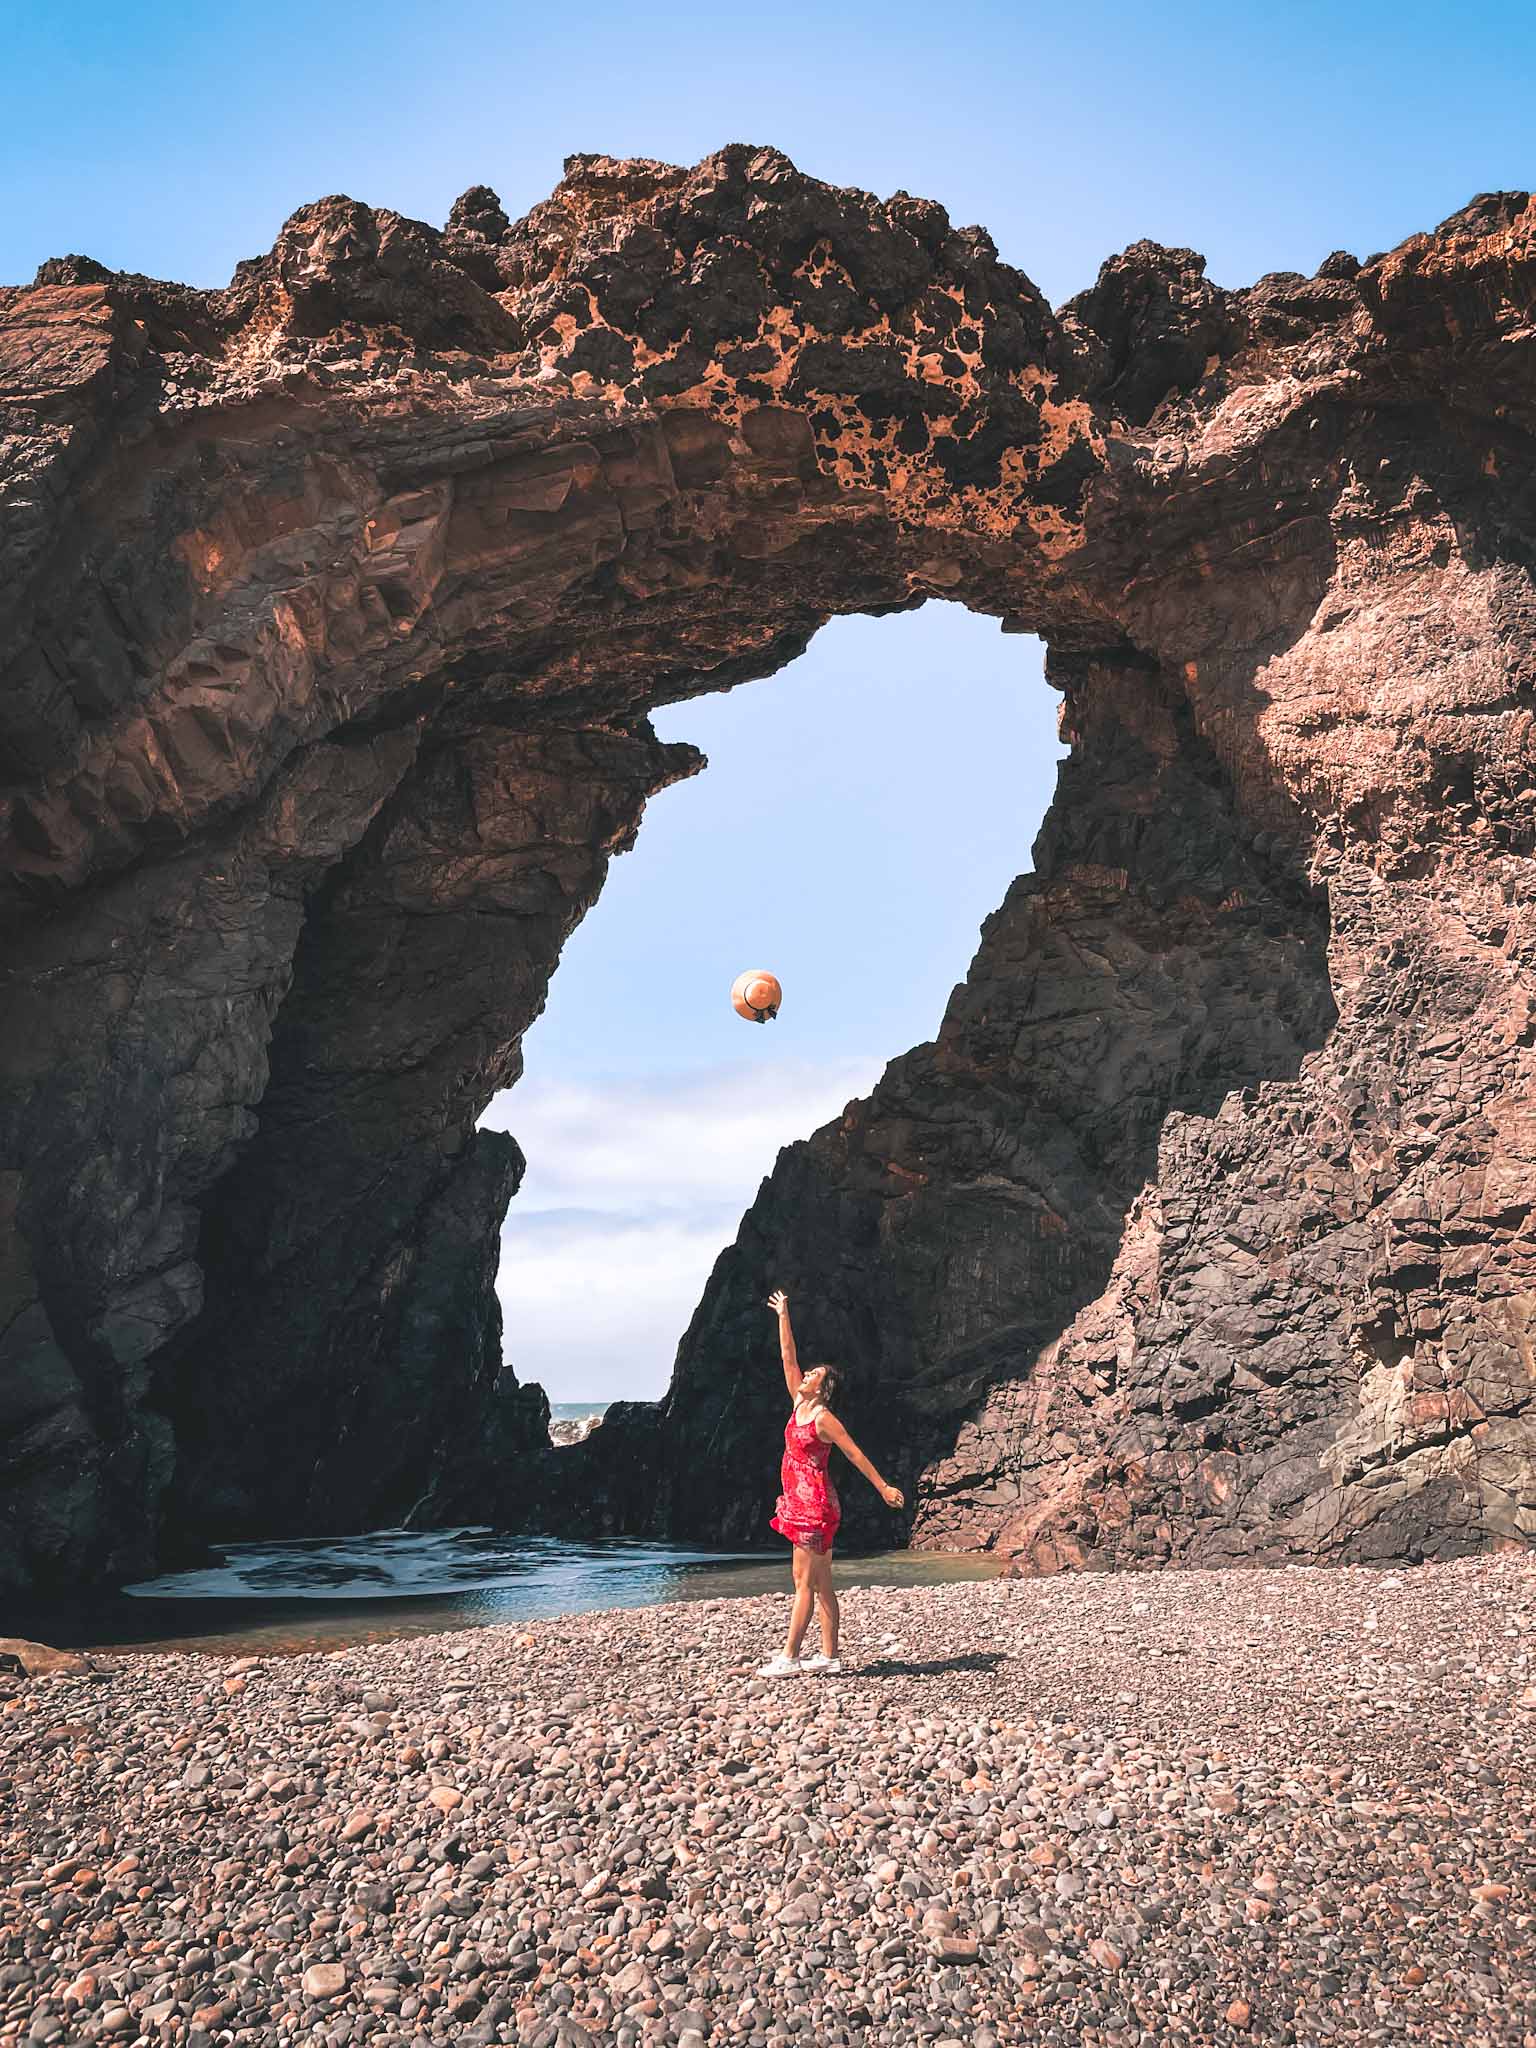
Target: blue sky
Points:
(173, 138)
(910, 758)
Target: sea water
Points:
(323, 1593)
(562, 1414)
(576, 1411)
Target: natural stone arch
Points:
(333, 609)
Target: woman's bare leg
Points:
(803, 1562)
(826, 1602)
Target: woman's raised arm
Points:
(779, 1303)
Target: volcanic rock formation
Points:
(333, 606)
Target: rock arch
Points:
(334, 605)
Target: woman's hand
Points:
(893, 1496)
(779, 1302)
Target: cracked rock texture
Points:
(332, 609)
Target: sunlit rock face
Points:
(333, 606)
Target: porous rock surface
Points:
(333, 605)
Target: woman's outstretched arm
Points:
(779, 1303)
(832, 1431)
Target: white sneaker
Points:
(780, 1666)
(821, 1662)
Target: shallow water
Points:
(326, 1593)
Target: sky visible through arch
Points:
(862, 812)
(173, 138)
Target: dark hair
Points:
(829, 1384)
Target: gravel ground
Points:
(1290, 1806)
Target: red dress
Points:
(808, 1509)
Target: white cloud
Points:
(636, 1143)
(594, 1312)
(634, 1187)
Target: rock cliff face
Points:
(332, 608)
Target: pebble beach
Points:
(1285, 1806)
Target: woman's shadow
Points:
(933, 1667)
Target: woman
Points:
(808, 1510)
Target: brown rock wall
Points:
(331, 606)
